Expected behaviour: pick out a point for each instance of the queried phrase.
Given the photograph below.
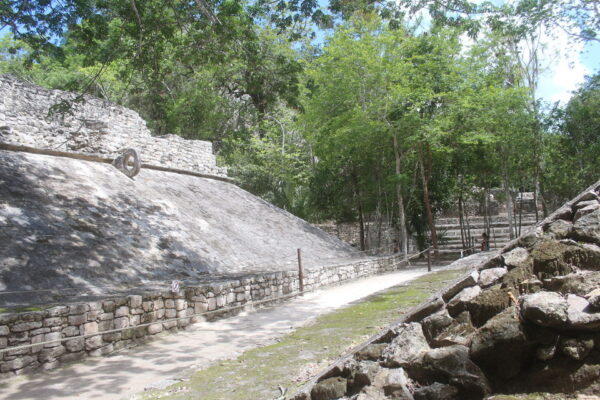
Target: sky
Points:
(565, 67)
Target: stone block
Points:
(89, 328)
(3, 342)
(148, 306)
(93, 343)
(59, 311)
(212, 304)
(112, 337)
(78, 309)
(135, 301)
(180, 304)
(134, 320)
(106, 316)
(53, 321)
(54, 337)
(39, 331)
(105, 325)
(26, 326)
(170, 303)
(77, 319)
(154, 329)
(121, 322)
(170, 313)
(4, 331)
(70, 331)
(51, 354)
(136, 311)
(122, 311)
(108, 306)
(75, 345)
(169, 324)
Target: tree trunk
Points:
(361, 221)
(425, 175)
(401, 214)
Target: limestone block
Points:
(135, 301)
(26, 326)
(121, 322)
(77, 319)
(122, 311)
(89, 328)
(93, 343)
(53, 321)
(75, 345)
(55, 337)
(4, 331)
(78, 309)
(154, 329)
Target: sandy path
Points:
(161, 361)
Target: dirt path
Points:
(160, 362)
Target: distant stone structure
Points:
(92, 126)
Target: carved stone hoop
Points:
(128, 162)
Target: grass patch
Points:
(20, 309)
(297, 356)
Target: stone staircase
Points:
(449, 230)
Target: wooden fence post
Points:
(300, 272)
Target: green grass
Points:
(20, 309)
(290, 362)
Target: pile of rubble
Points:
(526, 320)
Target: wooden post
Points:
(429, 259)
(300, 272)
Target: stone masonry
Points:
(92, 126)
(76, 329)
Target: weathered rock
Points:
(518, 257)
(515, 276)
(406, 347)
(587, 228)
(489, 303)
(576, 348)
(459, 302)
(393, 383)
(436, 391)
(329, 389)
(362, 374)
(559, 375)
(560, 229)
(435, 323)
(459, 331)
(372, 393)
(451, 365)
(371, 352)
(426, 309)
(550, 258)
(500, 347)
(593, 298)
(545, 309)
(579, 283)
(581, 316)
(531, 286)
(588, 207)
(488, 277)
(454, 289)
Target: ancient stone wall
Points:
(29, 116)
(71, 332)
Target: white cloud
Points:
(563, 71)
